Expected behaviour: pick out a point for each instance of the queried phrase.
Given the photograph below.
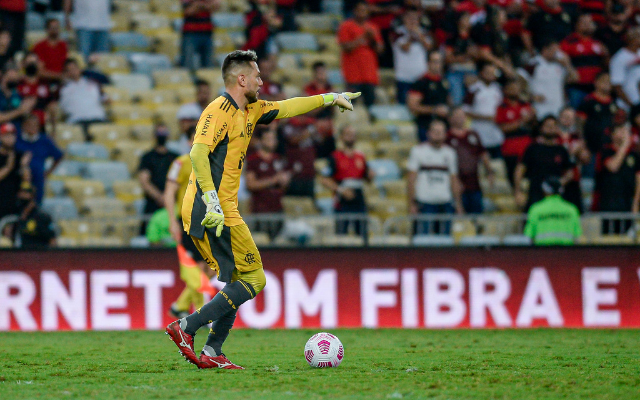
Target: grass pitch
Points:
(378, 364)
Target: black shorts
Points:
(187, 242)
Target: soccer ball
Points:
(324, 350)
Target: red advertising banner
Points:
(326, 288)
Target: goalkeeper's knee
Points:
(255, 278)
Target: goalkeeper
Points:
(210, 205)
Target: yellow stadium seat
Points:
(118, 95)
(66, 242)
(387, 208)
(358, 118)
(367, 149)
(131, 115)
(407, 133)
(78, 228)
(131, 7)
(328, 44)
(211, 75)
(33, 37)
(127, 191)
(66, 134)
(223, 43)
(373, 133)
(167, 43)
(109, 134)
(112, 63)
(121, 22)
(390, 240)
(169, 8)
(331, 60)
(342, 240)
(152, 99)
(130, 152)
(171, 78)
(106, 207)
(397, 151)
(143, 132)
(187, 94)
(463, 228)
(395, 189)
(387, 77)
(298, 77)
(298, 206)
(81, 189)
(506, 204)
(151, 24)
(105, 241)
(612, 240)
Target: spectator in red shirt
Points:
(33, 86)
(325, 142)
(346, 176)
(270, 90)
(197, 31)
(52, 51)
(260, 26)
(267, 179)
(587, 56)
(301, 154)
(470, 152)
(361, 43)
(515, 118)
(580, 155)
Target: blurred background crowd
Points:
(473, 113)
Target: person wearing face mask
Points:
(52, 51)
(12, 106)
(153, 169)
(542, 159)
(32, 85)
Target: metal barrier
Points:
(361, 230)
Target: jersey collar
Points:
(228, 97)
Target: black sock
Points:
(218, 334)
(227, 300)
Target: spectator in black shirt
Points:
(14, 170)
(493, 40)
(153, 169)
(459, 57)
(542, 159)
(618, 175)
(35, 226)
(597, 111)
(550, 22)
(428, 98)
(612, 35)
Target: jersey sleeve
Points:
(212, 127)
(269, 111)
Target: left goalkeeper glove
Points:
(342, 100)
(214, 217)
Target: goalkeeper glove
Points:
(342, 100)
(213, 218)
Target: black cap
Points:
(552, 185)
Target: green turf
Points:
(378, 364)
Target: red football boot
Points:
(216, 362)
(183, 340)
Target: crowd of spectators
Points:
(549, 87)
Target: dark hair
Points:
(601, 74)
(70, 61)
(5, 30)
(201, 82)
(547, 117)
(236, 58)
(480, 65)
(438, 120)
(318, 64)
(49, 21)
(191, 132)
(547, 41)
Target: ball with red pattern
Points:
(324, 350)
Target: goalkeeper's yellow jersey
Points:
(227, 131)
(179, 173)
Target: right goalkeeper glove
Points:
(214, 217)
(342, 100)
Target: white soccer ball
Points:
(324, 350)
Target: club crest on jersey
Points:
(249, 258)
(249, 129)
